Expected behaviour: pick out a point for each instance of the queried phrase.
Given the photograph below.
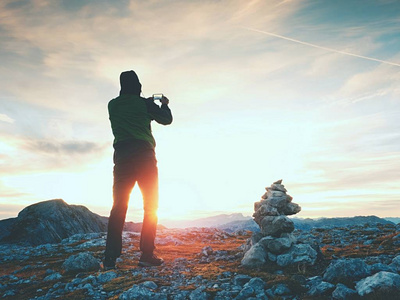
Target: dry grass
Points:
(122, 283)
(381, 245)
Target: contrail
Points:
(323, 48)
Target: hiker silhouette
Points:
(134, 162)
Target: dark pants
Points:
(126, 174)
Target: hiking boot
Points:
(109, 263)
(150, 260)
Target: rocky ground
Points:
(205, 264)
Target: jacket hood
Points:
(130, 83)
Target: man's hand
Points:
(164, 100)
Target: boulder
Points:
(271, 256)
(291, 209)
(197, 294)
(241, 279)
(265, 242)
(291, 237)
(382, 285)
(265, 210)
(342, 292)
(258, 204)
(106, 277)
(275, 226)
(396, 263)
(257, 284)
(82, 262)
(321, 289)
(279, 245)
(54, 276)
(278, 202)
(275, 194)
(378, 267)
(346, 271)
(255, 238)
(149, 285)
(137, 292)
(280, 289)
(50, 222)
(300, 253)
(277, 186)
(245, 293)
(255, 257)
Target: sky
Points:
(301, 90)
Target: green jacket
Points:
(131, 115)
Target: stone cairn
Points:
(275, 243)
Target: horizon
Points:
(186, 223)
(302, 91)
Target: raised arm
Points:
(161, 114)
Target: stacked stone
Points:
(275, 242)
(271, 211)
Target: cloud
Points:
(94, 39)
(63, 148)
(349, 205)
(357, 174)
(196, 39)
(13, 200)
(10, 193)
(26, 156)
(380, 84)
(5, 118)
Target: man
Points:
(134, 161)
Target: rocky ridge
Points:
(49, 222)
(52, 221)
(204, 264)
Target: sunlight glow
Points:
(250, 106)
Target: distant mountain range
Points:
(237, 221)
(307, 224)
(54, 220)
(213, 221)
(393, 220)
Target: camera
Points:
(157, 97)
